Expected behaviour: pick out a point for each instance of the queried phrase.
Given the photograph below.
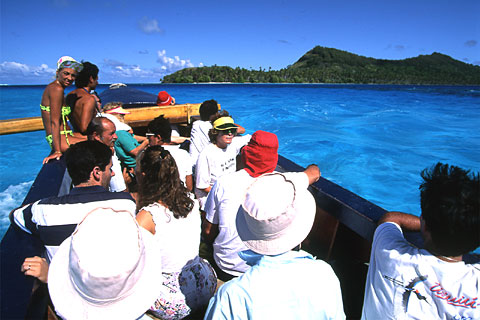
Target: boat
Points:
(341, 235)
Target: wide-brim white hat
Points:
(108, 268)
(277, 213)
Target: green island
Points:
(328, 65)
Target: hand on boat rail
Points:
(36, 267)
(313, 173)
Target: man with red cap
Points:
(164, 99)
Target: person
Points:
(433, 282)
(199, 134)
(107, 269)
(283, 281)
(170, 213)
(103, 130)
(159, 133)
(82, 102)
(164, 99)
(219, 157)
(259, 156)
(127, 146)
(53, 219)
(54, 110)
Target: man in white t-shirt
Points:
(405, 282)
(160, 134)
(199, 138)
(259, 156)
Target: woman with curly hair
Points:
(170, 213)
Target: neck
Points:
(441, 257)
(87, 184)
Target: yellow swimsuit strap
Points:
(65, 112)
(45, 108)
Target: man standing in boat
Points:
(404, 281)
(103, 130)
(89, 164)
(83, 103)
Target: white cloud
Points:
(14, 72)
(149, 26)
(172, 64)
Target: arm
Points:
(139, 148)
(313, 173)
(144, 219)
(240, 129)
(56, 102)
(209, 231)
(36, 267)
(189, 182)
(406, 221)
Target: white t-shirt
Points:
(221, 208)
(117, 183)
(178, 240)
(214, 162)
(199, 138)
(182, 159)
(405, 282)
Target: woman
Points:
(54, 110)
(167, 210)
(219, 157)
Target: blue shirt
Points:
(292, 285)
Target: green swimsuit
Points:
(65, 112)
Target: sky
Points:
(143, 40)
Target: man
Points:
(259, 156)
(283, 283)
(103, 130)
(404, 281)
(199, 134)
(84, 104)
(160, 134)
(89, 164)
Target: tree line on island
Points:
(328, 65)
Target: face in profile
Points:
(107, 175)
(108, 136)
(66, 76)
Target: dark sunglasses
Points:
(229, 131)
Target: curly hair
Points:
(161, 182)
(450, 202)
(213, 133)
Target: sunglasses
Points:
(229, 131)
(149, 134)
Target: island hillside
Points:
(328, 65)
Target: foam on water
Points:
(11, 198)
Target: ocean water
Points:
(371, 139)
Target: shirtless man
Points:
(84, 104)
(54, 110)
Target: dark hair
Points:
(82, 157)
(450, 201)
(207, 109)
(213, 133)
(83, 77)
(161, 182)
(97, 125)
(161, 126)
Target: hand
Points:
(36, 267)
(313, 173)
(56, 155)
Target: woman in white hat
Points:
(54, 110)
(171, 214)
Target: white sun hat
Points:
(277, 213)
(107, 269)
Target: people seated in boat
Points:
(103, 130)
(84, 104)
(283, 282)
(432, 282)
(159, 133)
(127, 146)
(107, 269)
(167, 209)
(218, 157)
(53, 219)
(164, 99)
(54, 110)
(199, 134)
(259, 156)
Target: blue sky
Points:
(143, 40)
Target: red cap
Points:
(260, 155)
(164, 99)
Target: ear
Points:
(96, 173)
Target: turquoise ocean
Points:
(371, 139)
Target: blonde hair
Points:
(113, 105)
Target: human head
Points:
(207, 109)
(159, 180)
(164, 99)
(86, 158)
(103, 130)
(277, 213)
(88, 76)
(223, 129)
(450, 202)
(69, 62)
(116, 108)
(159, 131)
(260, 155)
(67, 70)
(108, 268)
